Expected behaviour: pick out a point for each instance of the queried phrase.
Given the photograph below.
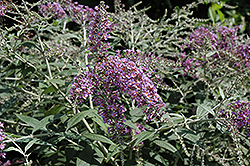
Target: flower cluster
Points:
(111, 83)
(76, 11)
(53, 9)
(99, 29)
(238, 117)
(98, 18)
(2, 10)
(149, 62)
(222, 46)
(2, 144)
(63, 8)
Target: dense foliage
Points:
(85, 86)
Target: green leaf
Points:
(28, 146)
(70, 72)
(160, 159)
(210, 53)
(57, 81)
(80, 162)
(136, 114)
(35, 141)
(8, 104)
(142, 136)
(132, 125)
(77, 118)
(177, 8)
(29, 44)
(49, 90)
(114, 152)
(41, 124)
(28, 120)
(192, 137)
(98, 137)
(13, 149)
(212, 14)
(55, 22)
(221, 93)
(203, 110)
(216, 6)
(174, 118)
(73, 136)
(28, 71)
(67, 36)
(168, 146)
(221, 127)
(53, 110)
(221, 15)
(98, 119)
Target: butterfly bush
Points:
(222, 46)
(150, 62)
(53, 9)
(59, 10)
(237, 116)
(110, 82)
(99, 24)
(99, 28)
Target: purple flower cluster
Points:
(222, 46)
(149, 62)
(76, 11)
(98, 18)
(63, 8)
(110, 83)
(189, 64)
(2, 144)
(2, 10)
(99, 28)
(238, 117)
(53, 9)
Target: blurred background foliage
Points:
(239, 13)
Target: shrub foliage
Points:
(85, 86)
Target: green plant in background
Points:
(120, 88)
(229, 15)
(214, 11)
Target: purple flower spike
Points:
(99, 28)
(109, 82)
(239, 116)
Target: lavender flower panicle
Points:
(63, 8)
(99, 28)
(224, 42)
(99, 23)
(111, 81)
(53, 9)
(238, 116)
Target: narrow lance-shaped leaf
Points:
(168, 146)
(142, 136)
(98, 137)
(41, 124)
(77, 118)
(28, 120)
